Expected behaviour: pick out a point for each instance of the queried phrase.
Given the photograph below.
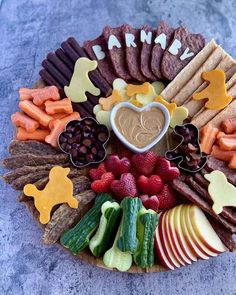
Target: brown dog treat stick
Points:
(216, 117)
(59, 64)
(186, 74)
(225, 64)
(63, 57)
(55, 72)
(192, 85)
(49, 79)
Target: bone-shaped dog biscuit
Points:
(221, 191)
(108, 102)
(133, 89)
(171, 106)
(58, 190)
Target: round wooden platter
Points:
(113, 146)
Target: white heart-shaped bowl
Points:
(139, 110)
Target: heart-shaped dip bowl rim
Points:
(139, 110)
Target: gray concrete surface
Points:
(28, 30)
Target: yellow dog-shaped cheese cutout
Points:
(58, 190)
(215, 91)
(221, 191)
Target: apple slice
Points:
(194, 236)
(188, 237)
(169, 222)
(205, 231)
(160, 252)
(175, 226)
(165, 243)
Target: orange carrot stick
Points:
(39, 95)
(227, 144)
(208, 137)
(35, 112)
(38, 134)
(229, 125)
(61, 106)
(22, 120)
(57, 126)
(220, 154)
(232, 163)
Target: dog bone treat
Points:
(80, 82)
(97, 49)
(84, 141)
(171, 106)
(20, 119)
(146, 98)
(215, 92)
(115, 43)
(18, 147)
(65, 217)
(187, 153)
(180, 114)
(108, 102)
(39, 96)
(187, 73)
(132, 89)
(192, 196)
(133, 51)
(58, 190)
(16, 161)
(221, 191)
(62, 106)
(38, 134)
(147, 35)
(192, 85)
(163, 37)
(229, 125)
(182, 49)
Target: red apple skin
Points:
(174, 239)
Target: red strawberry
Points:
(144, 163)
(165, 170)
(124, 187)
(150, 185)
(125, 153)
(150, 202)
(96, 173)
(118, 166)
(103, 185)
(167, 198)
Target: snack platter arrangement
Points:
(125, 149)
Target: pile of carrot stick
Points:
(43, 114)
(220, 143)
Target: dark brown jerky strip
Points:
(49, 79)
(192, 196)
(215, 164)
(13, 175)
(117, 55)
(88, 107)
(18, 161)
(92, 99)
(19, 183)
(55, 72)
(55, 60)
(66, 60)
(133, 52)
(227, 212)
(78, 107)
(18, 147)
(224, 234)
(95, 76)
(40, 184)
(171, 64)
(104, 65)
(200, 180)
(157, 51)
(65, 217)
(146, 54)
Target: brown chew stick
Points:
(192, 196)
(59, 64)
(117, 54)
(54, 72)
(192, 85)
(65, 59)
(216, 117)
(225, 64)
(133, 51)
(104, 64)
(44, 74)
(172, 64)
(158, 51)
(186, 74)
(18, 147)
(146, 52)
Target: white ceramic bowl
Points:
(133, 107)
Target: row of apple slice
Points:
(184, 235)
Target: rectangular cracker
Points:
(194, 106)
(186, 74)
(192, 85)
(208, 116)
